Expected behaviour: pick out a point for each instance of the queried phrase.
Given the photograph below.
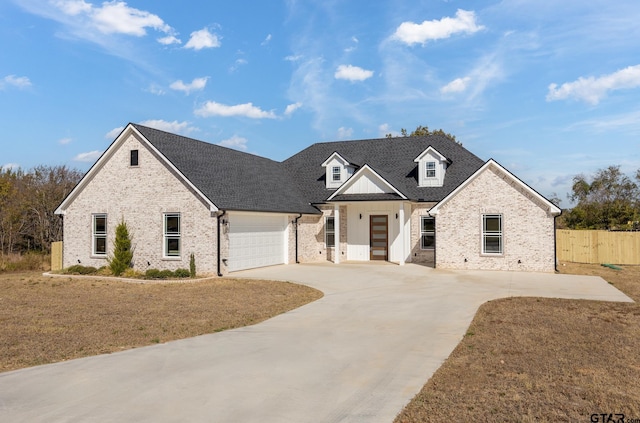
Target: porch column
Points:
(336, 226)
(401, 233)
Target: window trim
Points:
(499, 234)
(328, 232)
(134, 154)
(424, 233)
(428, 169)
(166, 236)
(95, 235)
(336, 171)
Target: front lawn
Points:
(536, 359)
(46, 319)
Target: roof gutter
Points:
(219, 216)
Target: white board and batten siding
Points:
(257, 240)
(358, 229)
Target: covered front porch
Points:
(372, 231)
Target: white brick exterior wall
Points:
(419, 255)
(528, 229)
(140, 195)
(311, 247)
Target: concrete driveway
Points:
(359, 354)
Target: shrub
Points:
(131, 273)
(152, 274)
(79, 269)
(165, 274)
(192, 265)
(122, 251)
(182, 273)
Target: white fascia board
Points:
(428, 150)
(552, 208)
(357, 175)
(62, 208)
(334, 155)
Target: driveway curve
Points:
(358, 354)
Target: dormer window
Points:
(337, 170)
(336, 177)
(431, 168)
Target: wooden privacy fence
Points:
(56, 255)
(598, 246)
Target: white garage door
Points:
(256, 241)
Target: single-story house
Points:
(420, 199)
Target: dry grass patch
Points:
(534, 359)
(45, 319)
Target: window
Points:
(427, 233)
(336, 173)
(172, 235)
(134, 158)
(330, 232)
(431, 170)
(492, 234)
(99, 235)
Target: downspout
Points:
(555, 246)
(219, 254)
(296, 223)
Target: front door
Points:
(378, 238)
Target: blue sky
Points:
(548, 88)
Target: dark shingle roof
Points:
(233, 180)
(230, 179)
(391, 158)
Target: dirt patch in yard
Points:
(535, 359)
(45, 319)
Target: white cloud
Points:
(112, 17)
(237, 64)
(293, 58)
(202, 39)
(10, 166)
(15, 81)
(235, 142)
(344, 132)
(73, 7)
(456, 86)
(353, 47)
(117, 17)
(154, 89)
(111, 135)
(169, 39)
(197, 84)
(413, 33)
(292, 108)
(173, 127)
(90, 156)
(211, 108)
(385, 129)
(591, 90)
(266, 40)
(64, 141)
(352, 73)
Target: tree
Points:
(421, 131)
(122, 250)
(27, 202)
(608, 200)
